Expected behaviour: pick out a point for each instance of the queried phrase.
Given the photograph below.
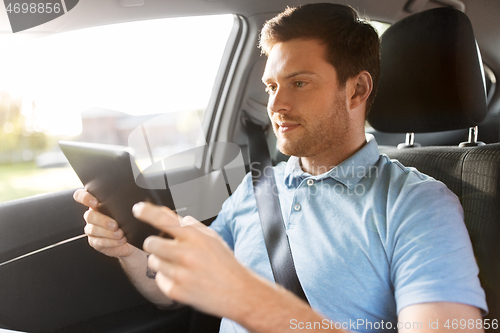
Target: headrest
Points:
(431, 75)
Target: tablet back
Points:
(106, 171)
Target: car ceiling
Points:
(482, 13)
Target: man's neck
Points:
(321, 163)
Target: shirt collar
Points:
(349, 172)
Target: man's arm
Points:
(433, 262)
(138, 272)
(105, 236)
(440, 317)
(197, 267)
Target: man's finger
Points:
(161, 218)
(165, 284)
(97, 231)
(191, 222)
(96, 218)
(84, 197)
(161, 266)
(166, 249)
(103, 243)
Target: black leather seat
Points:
(432, 81)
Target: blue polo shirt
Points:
(368, 238)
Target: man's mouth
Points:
(284, 127)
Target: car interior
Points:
(437, 109)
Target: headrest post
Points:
(410, 139)
(473, 131)
(409, 142)
(473, 134)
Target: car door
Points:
(51, 280)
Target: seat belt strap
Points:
(268, 206)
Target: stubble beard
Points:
(325, 134)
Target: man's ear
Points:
(360, 86)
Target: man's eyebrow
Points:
(291, 75)
(288, 76)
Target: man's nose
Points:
(279, 101)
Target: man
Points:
(374, 243)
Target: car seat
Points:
(432, 80)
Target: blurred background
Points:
(98, 85)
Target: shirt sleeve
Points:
(432, 259)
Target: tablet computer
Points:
(107, 173)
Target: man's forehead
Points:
(295, 57)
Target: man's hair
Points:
(352, 43)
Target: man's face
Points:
(307, 106)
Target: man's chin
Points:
(289, 149)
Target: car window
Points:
(106, 85)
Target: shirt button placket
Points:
(296, 207)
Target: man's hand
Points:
(103, 232)
(106, 237)
(196, 267)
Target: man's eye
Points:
(270, 89)
(299, 84)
